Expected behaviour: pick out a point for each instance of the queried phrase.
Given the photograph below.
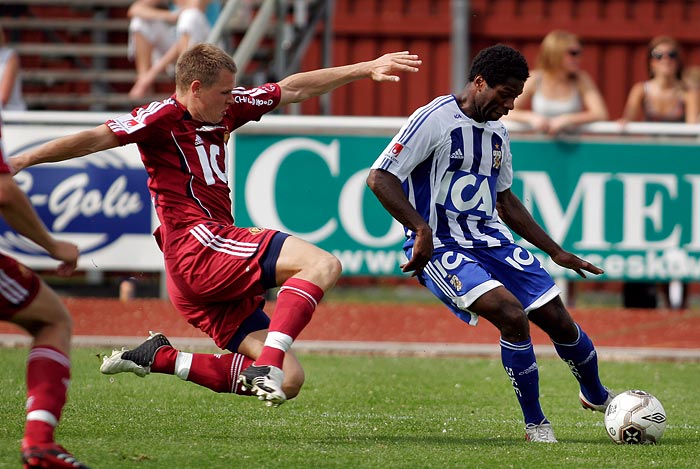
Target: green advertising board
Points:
(631, 207)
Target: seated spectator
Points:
(664, 96)
(559, 95)
(151, 32)
(192, 27)
(691, 77)
(10, 82)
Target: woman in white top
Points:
(559, 95)
(192, 28)
(10, 83)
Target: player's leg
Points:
(218, 372)
(304, 273)
(294, 376)
(141, 44)
(470, 292)
(576, 349)
(48, 375)
(503, 310)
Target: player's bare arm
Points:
(387, 188)
(19, 213)
(302, 86)
(64, 148)
(515, 215)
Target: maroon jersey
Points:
(187, 160)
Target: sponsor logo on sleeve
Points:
(127, 123)
(394, 151)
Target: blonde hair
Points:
(202, 62)
(553, 48)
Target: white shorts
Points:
(194, 23)
(160, 34)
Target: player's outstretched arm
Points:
(302, 86)
(518, 219)
(19, 213)
(64, 148)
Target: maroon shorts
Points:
(18, 287)
(217, 274)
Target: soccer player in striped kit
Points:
(217, 271)
(28, 302)
(446, 178)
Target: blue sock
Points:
(583, 362)
(521, 366)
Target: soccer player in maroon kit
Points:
(216, 271)
(27, 301)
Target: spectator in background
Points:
(691, 77)
(151, 32)
(559, 95)
(664, 97)
(192, 27)
(10, 82)
(127, 289)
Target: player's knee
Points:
(293, 381)
(328, 269)
(62, 321)
(333, 267)
(514, 326)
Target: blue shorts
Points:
(460, 277)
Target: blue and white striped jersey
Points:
(451, 168)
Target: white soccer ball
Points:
(635, 417)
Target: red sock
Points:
(218, 372)
(296, 302)
(48, 376)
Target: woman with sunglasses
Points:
(559, 95)
(664, 96)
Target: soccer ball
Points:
(635, 417)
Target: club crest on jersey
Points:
(256, 230)
(456, 283)
(23, 270)
(497, 155)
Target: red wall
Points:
(614, 34)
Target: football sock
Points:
(583, 362)
(218, 372)
(48, 377)
(521, 366)
(296, 302)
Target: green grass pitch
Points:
(354, 412)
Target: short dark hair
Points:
(497, 64)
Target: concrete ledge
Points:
(418, 349)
